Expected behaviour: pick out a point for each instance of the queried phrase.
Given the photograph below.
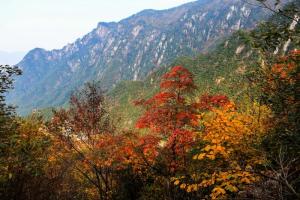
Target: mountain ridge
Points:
(128, 50)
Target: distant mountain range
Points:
(129, 49)
(11, 58)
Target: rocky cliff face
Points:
(128, 50)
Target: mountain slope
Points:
(128, 50)
(224, 70)
(230, 69)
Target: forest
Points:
(239, 140)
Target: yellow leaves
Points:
(201, 156)
(207, 182)
(219, 190)
(217, 193)
(191, 188)
(230, 131)
(230, 137)
(176, 182)
(226, 181)
(245, 180)
(182, 186)
(207, 148)
(211, 152)
(219, 148)
(211, 156)
(194, 187)
(215, 141)
(231, 188)
(187, 187)
(195, 157)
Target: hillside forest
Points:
(220, 125)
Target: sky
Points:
(51, 24)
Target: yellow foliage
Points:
(217, 193)
(231, 140)
(183, 186)
(201, 156)
(229, 131)
(176, 182)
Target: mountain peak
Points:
(35, 54)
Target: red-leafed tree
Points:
(207, 102)
(171, 116)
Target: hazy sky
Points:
(51, 24)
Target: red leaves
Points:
(168, 108)
(183, 115)
(286, 65)
(164, 97)
(158, 119)
(177, 71)
(171, 117)
(283, 77)
(181, 140)
(207, 102)
(178, 78)
(148, 145)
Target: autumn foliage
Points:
(171, 116)
(185, 145)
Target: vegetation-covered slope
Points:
(225, 70)
(228, 68)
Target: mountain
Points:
(231, 68)
(223, 71)
(128, 50)
(11, 58)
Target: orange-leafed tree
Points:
(86, 134)
(229, 151)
